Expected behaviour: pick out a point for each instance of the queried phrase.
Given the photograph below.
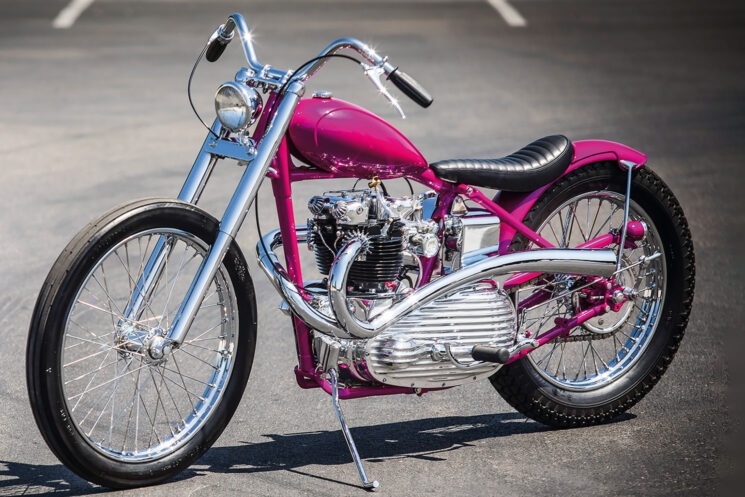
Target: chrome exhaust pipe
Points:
(347, 325)
(552, 261)
(289, 290)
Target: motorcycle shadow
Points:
(427, 439)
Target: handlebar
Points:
(411, 88)
(225, 33)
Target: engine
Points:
(430, 347)
(393, 229)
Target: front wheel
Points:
(109, 410)
(607, 364)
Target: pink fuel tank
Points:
(340, 137)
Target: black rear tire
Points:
(529, 392)
(45, 343)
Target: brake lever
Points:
(374, 73)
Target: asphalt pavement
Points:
(96, 114)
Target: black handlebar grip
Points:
(215, 49)
(490, 354)
(411, 88)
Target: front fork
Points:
(214, 148)
(190, 192)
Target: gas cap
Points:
(322, 94)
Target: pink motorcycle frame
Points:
(510, 207)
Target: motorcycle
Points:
(570, 290)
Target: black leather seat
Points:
(529, 168)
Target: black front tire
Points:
(44, 355)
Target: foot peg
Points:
(501, 355)
(490, 354)
(369, 485)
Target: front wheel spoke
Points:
(92, 306)
(173, 400)
(140, 269)
(89, 383)
(113, 392)
(133, 285)
(188, 377)
(216, 304)
(90, 356)
(112, 305)
(152, 423)
(87, 330)
(181, 377)
(192, 344)
(158, 402)
(223, 321)
(100, 344)
(183, 387)
(198, 358)
(131, 406)
(93, 372)
(110, 348)
(189, 342)
(107, 382)
(84, 341)
(173, 285)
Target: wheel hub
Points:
(151, 344)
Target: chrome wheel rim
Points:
(606, 347)
(125, 404)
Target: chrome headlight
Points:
(237, 105)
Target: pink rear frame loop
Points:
(510, 208)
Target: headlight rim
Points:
(251, 101)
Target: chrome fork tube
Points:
(201, 170)
(190, 192)
(236, 211)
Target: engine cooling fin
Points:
(382, 260)
(411, 353)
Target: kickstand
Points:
(369, 485)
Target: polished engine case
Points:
(412, 352)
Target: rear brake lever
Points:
(373, 73)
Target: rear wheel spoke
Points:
(590, 357)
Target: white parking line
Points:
(67, 16)
(510, 14)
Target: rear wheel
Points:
(110, 409)
(607, 364)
